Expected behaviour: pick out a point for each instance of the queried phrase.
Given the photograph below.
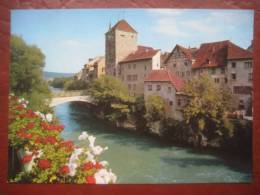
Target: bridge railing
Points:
(69, 93)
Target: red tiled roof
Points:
(123, 26)
(188, 52)
(142, 53)
(165, 76)
(217, 53)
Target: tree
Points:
(139, 112)
(112, 98)
(155, 108)
(26, 78)
(207, 109)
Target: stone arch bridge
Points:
(69, 96)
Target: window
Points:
(129, 86)
(170, 103)
(233, 76)
(234, 64)
(134, 77)
(182, 74)
(216, 80)
(129, 66)
(186, 63)
(213, 71)
(122, 35)
(174, 65)
(188, 73)
(145, 67)
(150, 87)
(225, 80)
(242, 90)
(177, 73)
(241, 105)
(179, 102)
(134, 66)
(158, 87)
(129, 77)
(247, 65)
(250, 76)
(169, 89)
(201, 70)
(134, 86)
(103, 70)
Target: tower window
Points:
(234, 76)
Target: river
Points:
(137, 158)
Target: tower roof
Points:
(123, 26)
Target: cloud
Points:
(203, 25)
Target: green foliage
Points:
(72, 84)
(155, 108)
(26, 76)
(207, 109)
(112, 98)
(68, 83)
(139, 112)
(59, 82)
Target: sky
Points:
(69, 37)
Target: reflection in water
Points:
(138, 158)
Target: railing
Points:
(69, 93)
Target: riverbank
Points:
(137, 157)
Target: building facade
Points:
(165, 84)
(179, 61)
(93, 69)
(135, 67)
(226, 63)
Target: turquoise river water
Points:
(138, 158)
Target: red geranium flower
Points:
(90, 179)
(68, 145)
(88, 166)
(98, 166)
(26, 159)
(64, 170)
(30, 125)
(49, 140)
(23, 134)
(44, 164)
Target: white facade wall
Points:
(240, 73)
(132, 74)
(168, 93)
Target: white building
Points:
(165, 84)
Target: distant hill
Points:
(50, 75)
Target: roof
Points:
(216, 54)
(123, 26)
(188, 52)
(165, 76)
(142, 53)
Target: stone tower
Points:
(121, 40)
